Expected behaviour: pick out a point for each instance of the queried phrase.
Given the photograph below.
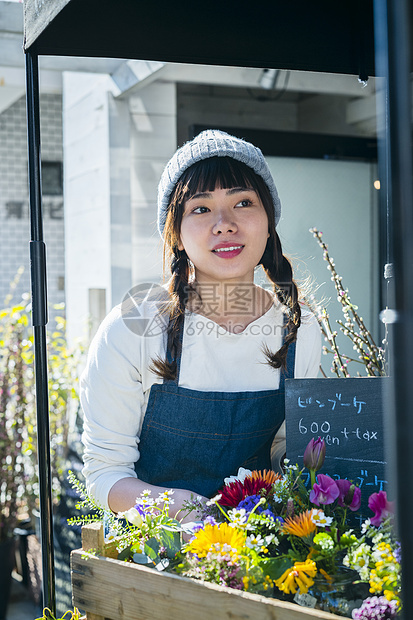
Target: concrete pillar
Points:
(153, 142)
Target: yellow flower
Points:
(299, 576)
(326, 576)
(301, 525)
(214, 537)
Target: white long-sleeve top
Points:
(116, 382)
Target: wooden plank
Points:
(92, 537)
(113, 590)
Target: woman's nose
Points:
(224, 223)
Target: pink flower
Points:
(314, 454)
(350, 495)
(324, 491)
(382, 508)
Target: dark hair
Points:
(204, 176)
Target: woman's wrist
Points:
(125, 492)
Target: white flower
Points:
(111, 535)
(319, 518)
(366, 525)
(254, 542)
(145, 499)
(213, 500)
(238, 517)
(164, 497)
(241, 475)
(133, 516)
(359, 559)
(377, 538)
(270, 538)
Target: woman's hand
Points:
(123, 494)
(180, 497)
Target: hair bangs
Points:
(217, 172)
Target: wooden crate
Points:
(107, 588)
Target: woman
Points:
(185, 405)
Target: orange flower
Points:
(265, 475)
(300, 525)
(234, 492)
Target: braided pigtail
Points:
(179, 291)
(279, 271)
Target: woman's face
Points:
(224, 233)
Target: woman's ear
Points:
(180, 245)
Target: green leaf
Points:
(275, 567)
(171, 540)
(142, 558)
(152, 549)
(125, 553)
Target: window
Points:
(52, 178)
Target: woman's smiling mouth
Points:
(228, 251)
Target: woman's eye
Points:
(246, 202)
(200, 210)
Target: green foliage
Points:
(18, 424)
(148, 536)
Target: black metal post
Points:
(392, 21)
(39, 319)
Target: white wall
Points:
(86, 193)
(115, 151)
(338, 198)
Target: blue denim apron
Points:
(192, 439)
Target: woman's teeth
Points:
(232, 248)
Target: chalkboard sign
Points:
(348, 415)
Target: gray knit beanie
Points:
(212, 143)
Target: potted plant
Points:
(263, 543)
(18, 441)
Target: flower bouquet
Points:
(270, 534)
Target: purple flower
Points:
(382, 508)
(397, 552)
(249, 502)
(350, 495)
(314, 454)
(324, 491)
(376, 608)
(268, 513)
(139, 506)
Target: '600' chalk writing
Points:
(332, 403)
(315, 428)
